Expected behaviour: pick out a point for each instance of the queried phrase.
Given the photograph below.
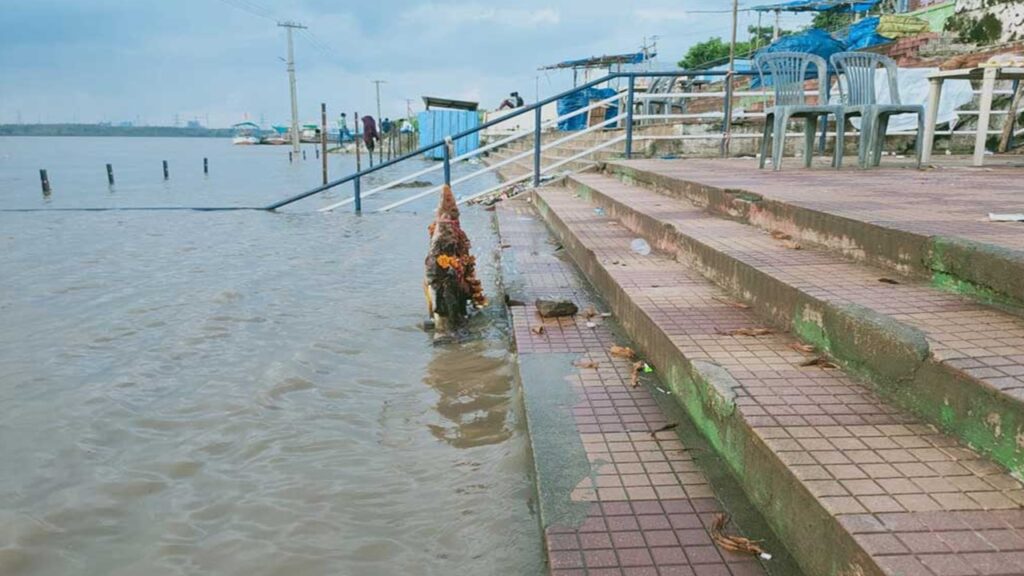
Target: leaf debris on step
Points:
(735, 543)
(538, 330)
(819, 361)
(780, 235)
(732, 303)
(802, 347)
(634, 376)
(888, 281)
(589, 312)
(746, 332)
(622, 352)
(792, 245)
(586, 364)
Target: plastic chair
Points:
(788, 72)
(859, 99)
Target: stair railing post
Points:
(358, 200)
(726, 116)
(448, 161)
(629, 116)
(536, 147)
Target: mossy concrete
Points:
(794, 513)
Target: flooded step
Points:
(850, 482)
(626, 484)
(955, 363)
(940, 229)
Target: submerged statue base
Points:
(451, 284)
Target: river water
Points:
(242, 392)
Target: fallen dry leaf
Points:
(888, 281)
(622, 352)
(802, 347)
(819, 361)
(734, 543)
(732, 303)
(537, 330)
(792, 245)
(780, 235)
(587, 364)
(634, 377)
(589, 312)
(747, 332)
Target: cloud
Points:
(458, 15)
(660, 15)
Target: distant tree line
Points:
(107, 130)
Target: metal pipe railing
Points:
(535, 108)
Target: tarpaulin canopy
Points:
(818, 6)
(601, 61)
(863, 34)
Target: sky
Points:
(222, 61)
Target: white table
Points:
(988, 77)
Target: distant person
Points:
(385, 126)
(370, 134)
(514, 100)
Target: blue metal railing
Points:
(536, 107)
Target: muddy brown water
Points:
(241, 392)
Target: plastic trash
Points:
(640, 246)
(599, 211)
(1005, 217)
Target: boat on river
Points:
(246, 133)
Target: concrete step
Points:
(955, 363)
(851, 483)
(939, 233)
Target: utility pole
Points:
(727, 108)
(379, 120)
(289, 26)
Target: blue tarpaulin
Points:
(582, 99)
(814, 41)
(863, 34)
(818, 6)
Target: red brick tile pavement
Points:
(945, 201)
(651, 506)
(907, 492)
(985, 343)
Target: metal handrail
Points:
(535, 108)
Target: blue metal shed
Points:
(436, 124)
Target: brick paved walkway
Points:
(650, 506)
(985, 343)
(914, 500)
(946, 201)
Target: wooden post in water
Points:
(110, 174)
(167, 174)
(290, 159)
(303, 154)
(323, 139)
(44, 180)
(356, 136)
(206, 165)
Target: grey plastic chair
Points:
(788, 72)
(859, 99)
